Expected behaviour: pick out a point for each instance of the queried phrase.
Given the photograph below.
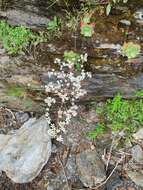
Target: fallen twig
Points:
(68, 186)
(104, 182)
(110, 152)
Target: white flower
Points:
(53, 126)
(57, 60)
(67, 121)
(52, 133)
(58, 131)
(60, 112)
(47, 114)
(49, 101)
(63, 129)
(74, 113)
(63, 97)
(48, 120)
(89, 75)
(67, 85)
(62, 123)
(59, 138)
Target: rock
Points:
(109, 46)
(4, 59)
(115, 181)
(20, 103)
(71, 170)
(90, 168)
(137, 177)
(19, 17)
(91, 116)
(2, 51)
(125, 22)
(21, 117)
(137, 154)
(135, 171)
(27, 80)
(71, 166)
(57, 182)
(76, 131)
(24, 152)
(139, 16)
(50, 188)
(139, 134)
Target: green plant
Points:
(16, 39)
(86, 26)
(72, 21)
(40, 37)
(87, 30)
(99, 129)
(130, 49)
(139, 93)
(14, 90)
(53, 24)
(28, 102)
(120, 115)
(73, 57)
(54, 28)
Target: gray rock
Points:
(139, 16)
(21, 117)
(19, 17)
(139, 134)
(71, 166)
(2, 51)
(58, 182)
(125, 22)
(75, 133)
(54, 148)
(4, 59)
(137, 154)
(91, 116)
(110, 46)
(50, 188)
(90, 168)
(135, 172)
(115, 181)
(24, 152)
(137, 177)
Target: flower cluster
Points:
(64, 85)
